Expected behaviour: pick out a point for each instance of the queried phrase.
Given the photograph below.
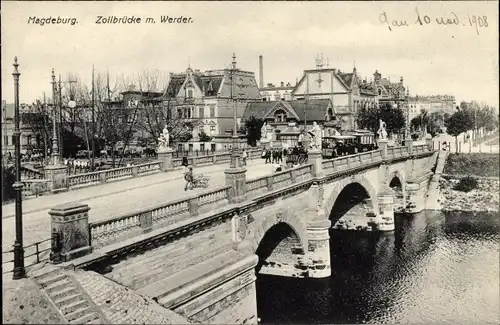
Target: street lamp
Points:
(19, 270)
(407, 131)
(55, 141)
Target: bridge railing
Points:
(347, 162)
(115, 174)
(34, 187)
(275, 181)
(146, 219)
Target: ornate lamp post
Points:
(235, 154)
(19, 270)
(55, 140)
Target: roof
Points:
(314, 109)
(210, 83)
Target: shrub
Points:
(466, 184)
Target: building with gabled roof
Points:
(207, 99)
(387, 91)
(280, 113)
(347, 93)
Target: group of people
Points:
(273, 155)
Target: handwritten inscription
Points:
(449, 19)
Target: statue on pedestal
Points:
(382, 133)
(164, 139)
(315, 133)
(263, 132)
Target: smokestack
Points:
(261, 71)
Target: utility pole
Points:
(19, 271)
(93, 120)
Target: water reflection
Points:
(435, 267)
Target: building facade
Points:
(280, 114)
(393, 93)
(432, 104)
(208, 99)
(347, 93)
(29, 138)
(272, 93)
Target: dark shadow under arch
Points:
(281, 234)
(350, 196)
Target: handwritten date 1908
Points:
(476, 22)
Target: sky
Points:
(457, 59)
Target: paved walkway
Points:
(109, 200)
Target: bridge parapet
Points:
(146, 219)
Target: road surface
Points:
(112, 199)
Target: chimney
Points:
(261, 71)
(282, 84)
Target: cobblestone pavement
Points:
(109, 200)
(122, 305)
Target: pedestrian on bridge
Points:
(188, 177)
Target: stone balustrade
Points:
(121, 173)
(134, 223)
(35, 187)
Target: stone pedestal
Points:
(265, 143)
(314, 157)
(409, 145)
(318, 226)
(429, 142)
(166, 156)
(236, 178)
(57, 176)
(382, 145)
(70, 224)
(385, 218)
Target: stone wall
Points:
(484, 198)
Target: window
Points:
(380, 92)
(212, 129)
(13, 139)
(212, 110)
(190, 93)
(201, 111)
(279, 116)
(6, 140)
(180, 113)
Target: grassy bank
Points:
(478, 164)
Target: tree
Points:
(369, 118)
(252, 127)
(431, 122)
(458, 123)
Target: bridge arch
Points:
(283, 216)
(341, 185)
(397, 179)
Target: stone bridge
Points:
(200, 256)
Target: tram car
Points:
(365, 140)
(338, 145)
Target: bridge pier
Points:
(416, 192)
(384, 221)
(318, 236)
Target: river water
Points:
(434, 268)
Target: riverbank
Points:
(470, 182)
